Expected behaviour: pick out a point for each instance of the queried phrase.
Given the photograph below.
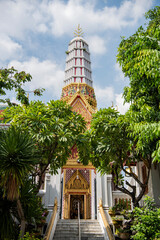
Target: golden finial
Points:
(78, 32)
(78, 90)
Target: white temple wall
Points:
(93, 203)
(53, 189)
(153, 185)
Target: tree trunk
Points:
(22, 218)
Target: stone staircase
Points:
(68, 229)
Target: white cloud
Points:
(97, 45)
(119, 73)
(66, 14)
(45, 74)
(105, 96)
(119, 102)
(19, 16)
(60, 17)
(8, 48)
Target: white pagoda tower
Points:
(78, 74)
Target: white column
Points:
(99, 187)
(99, 191)
(104, 191)
(109, 183)
(92, 195)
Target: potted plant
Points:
(117, 221)
(111, 211)
(124, 233)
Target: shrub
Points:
(146, 222)
(27, 236)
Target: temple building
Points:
(76, 184)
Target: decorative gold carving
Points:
(70, 92)
(78, 32)
(90, 187)
(77, 181)
(77, 185)
(88, 206)
(81, 109)
(66, 206)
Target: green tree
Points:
(17, 159)
(110, 148)
(139, 58)
(54, 127)
(11, 79)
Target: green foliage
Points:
(32, 205)
(139, 58)
(122, 205)
(17, 158)
(11, 79)
(54, 128)
(110, 146)
(111, 129)
(147, 137)
(28, 236)
(146, 221)
(107, 141)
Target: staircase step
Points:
(68, 230)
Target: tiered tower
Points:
(78, 74)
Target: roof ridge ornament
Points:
(78, 32)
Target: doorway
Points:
(74, 200)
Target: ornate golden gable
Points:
(77, 182)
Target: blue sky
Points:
(34, 36)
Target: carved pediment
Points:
(77, 181)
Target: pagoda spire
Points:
(78, 73)
(78, 32)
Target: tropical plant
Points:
(32, 204)
(17, 159)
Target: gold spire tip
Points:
(78, 32)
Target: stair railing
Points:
(52, 220)
(105, 221)
(79, 227)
